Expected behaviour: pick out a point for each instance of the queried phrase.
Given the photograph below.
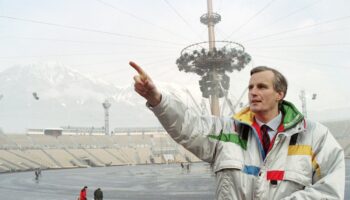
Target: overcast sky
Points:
(307, 40)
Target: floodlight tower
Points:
(106, 105)
(302, 97)
(213, 63)
(303, 102)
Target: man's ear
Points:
(280, 96)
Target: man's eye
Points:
(262, 86)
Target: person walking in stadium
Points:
(98, 194)
(83, 193)
(266, 151)
(36, 175)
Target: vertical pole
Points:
(303, 102)
(211, 24)
(106, 105)
(106, 121)
(214, 99)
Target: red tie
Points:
(265, 138)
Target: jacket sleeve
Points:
(328, 181)
(188, 128)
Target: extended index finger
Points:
(137, 68)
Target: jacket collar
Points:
(291, 116)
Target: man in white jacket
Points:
(266, 151)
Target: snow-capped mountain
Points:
(52, 95)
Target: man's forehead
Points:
(261, 77)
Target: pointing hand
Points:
(145, 86)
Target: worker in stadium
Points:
(98, 194)
(268, 150)
(83, 193)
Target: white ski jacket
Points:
(305, 161)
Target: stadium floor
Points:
(121, 182)
(147, 182)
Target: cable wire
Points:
(308, 35)
(139, 18)
(251, 18)
(86, 29)
(85, 42)
(303, 45)
(331, 66)
(286, 16)
(298, 29)
(182, 18)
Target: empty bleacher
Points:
(68, 151)
(105, 157)
(41, 157)
(144, 155)
(64, 159)
(44, 140)
(86, 158)
(119, 155)
(17, 163)
(22, 141)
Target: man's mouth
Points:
(255, 101)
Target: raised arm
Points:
(145, 87)
(185, 126)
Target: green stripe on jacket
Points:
(229, 137)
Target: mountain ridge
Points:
(68, 98)
(65, 97)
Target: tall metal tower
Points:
(213, 63)
(106, 105)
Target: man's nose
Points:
(252, 90)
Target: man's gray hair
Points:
(280, 83)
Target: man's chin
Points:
(254, 109)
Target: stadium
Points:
(79, 147)
(86, 149)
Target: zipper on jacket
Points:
(276, 142)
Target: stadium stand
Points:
(127, 147)
(41, 157)
(84, 157)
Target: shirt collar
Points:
(272, 124)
